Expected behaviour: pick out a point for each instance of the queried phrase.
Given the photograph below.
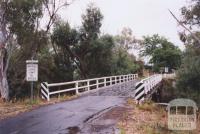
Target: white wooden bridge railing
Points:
(81, 86)
(168, 76)
(144, 86)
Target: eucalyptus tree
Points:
(188, 78)
(191, 18)
(22, 33)
(127, 40)
(79, 44)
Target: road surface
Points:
(72, 117)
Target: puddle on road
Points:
(105, 120)
(104, 123)
(73, 130)
(96, 115)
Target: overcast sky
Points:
(144, 17)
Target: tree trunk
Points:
(4, 58)
(4, 90)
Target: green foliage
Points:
(21, 18)
(89, 34)
(65, 38)
(64, 35)
(83, 46)
(188, 78)
(162, 52)
(151, 43)
(99, 59)
(123, 62)
(91, 24)
(65, 55)
(21, 21)
(189, 73)
(93, 55)
(166, 57)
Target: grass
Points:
(147, 118)
(13, 108)
(147, 106)
(122, 131)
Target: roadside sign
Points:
(182, 114)
(32, 70)
(166, 69)
(32, 73)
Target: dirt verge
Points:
(10, 109)
(147, 118)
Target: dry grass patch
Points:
(147, 118)
(10, 109)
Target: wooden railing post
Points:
(104, 82)
(48, 94)
(88, 85)
(76, 86)
(97, 82)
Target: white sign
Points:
(32, 70)
(182, 114)
(166, 69)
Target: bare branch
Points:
(54, 11)
(181, 24)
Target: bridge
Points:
(96, 98)
(83, 86)
(139, 90)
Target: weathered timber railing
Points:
(144, 86)
(169, 76)
(81, 86)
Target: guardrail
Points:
(81, 86)
(169, 76)
(146, 85)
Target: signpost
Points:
(166, 69)
(32, 73)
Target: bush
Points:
(188, 76)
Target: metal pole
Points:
(32, 86)
(31, 91)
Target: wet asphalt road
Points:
(68, 117)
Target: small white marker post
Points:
(166, 69)
(32, 73)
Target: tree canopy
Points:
(191, 13)
(188, 74)
(162, 53)
(93, 54)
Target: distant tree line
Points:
(161, 52)
(65, 53)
